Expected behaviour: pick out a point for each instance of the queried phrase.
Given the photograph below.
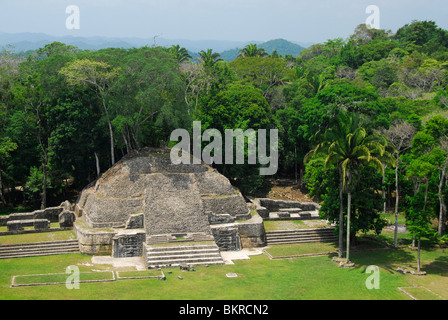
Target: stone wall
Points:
(274, 205)
(173, 205)
(51, 214)
(93, 241)
(227, 238)
(252, 233)
(128, 244)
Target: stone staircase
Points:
(301, 236)
(38, 249)
(182, 254)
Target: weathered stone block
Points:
(128, 245)
(66, 219)
(283, 214)
(136, 221)
(41, 224)
(14, 226)
(219, 218)
(263, 212)
(227, 238)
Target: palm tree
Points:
(181, 54)
(348, 146)
(209, 58)
(251, 50)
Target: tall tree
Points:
(181, 54)
(252, 50)
(98, 76)
(209, 58)
(350, 148)
(400, 136)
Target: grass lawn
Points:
(295, 224)
(260, 278)
(37, 237)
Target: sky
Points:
(237, 20)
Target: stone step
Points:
(172, 248)
(167, 264)
(176, 255)
(330, 231)
(295, 240)
(181, 257)
(31, 244)
(290, 210)
(286, 236)
(37, 246)
(39, 253)
(299, 241)
(301, 236)
(38, 249)
(182, 252)
(302, 215)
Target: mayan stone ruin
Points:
(144, 200)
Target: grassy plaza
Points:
(283, 272)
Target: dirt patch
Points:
(287, 190)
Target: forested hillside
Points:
(67, 115)
(278, 47)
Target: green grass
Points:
(277, 251)
(61, 278)
(422, 293)
(37, 237)
(139, 274)
(260, 278)
(390, 217)
(294, 225)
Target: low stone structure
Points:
(39, 219)
(270, 209)
(19, 225)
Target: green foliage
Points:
(63, 108)
(238, 106)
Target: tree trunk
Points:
(2, 196)
(125, 142)
(341, 217)
(418, 255)
(426, 195)
(112, 150)
(295, 165)
(43, 204)
(397, 200)
(383, 192)
(442, 212)
(97, 162)
(111, 134)
(349, 203)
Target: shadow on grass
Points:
(387, 259)
(438, 266)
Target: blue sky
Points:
(240, 20)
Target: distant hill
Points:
(32, 41)
(282, 46)
(25, 42)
